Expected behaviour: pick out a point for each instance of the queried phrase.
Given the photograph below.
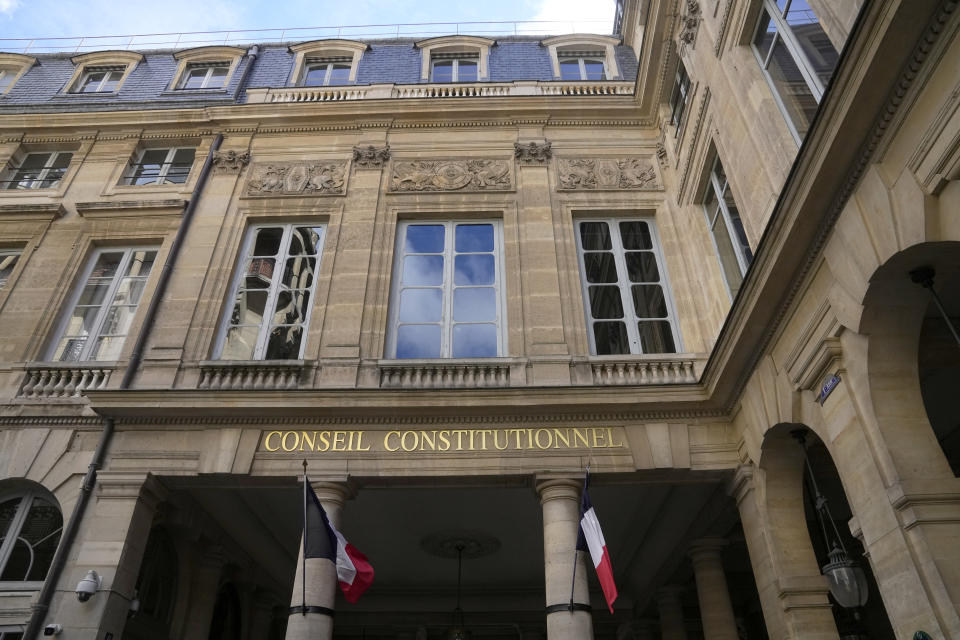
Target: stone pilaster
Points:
(670, 609)
(321, 576)
(203, 592)
(560, 501)
(716, 612)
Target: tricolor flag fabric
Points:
(322, 540)
(591, 538)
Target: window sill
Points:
(95, 94)
(121, 208)
(21, 588)
(193, 92)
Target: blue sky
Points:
(61, 18)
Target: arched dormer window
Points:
(102, 71)
(12, 67)
(583, 57)
(455, 58)
(205, 68)
(326, 62)
(30, 528)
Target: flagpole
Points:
(303, 555)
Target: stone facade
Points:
(538, 192)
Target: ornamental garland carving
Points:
(689, 23)
(598, 174)
(370, 157)
(452, 175)
(230, 161)
(532, 152)
(297, 178)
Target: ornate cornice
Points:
(722, 30)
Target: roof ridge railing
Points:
(185, 39)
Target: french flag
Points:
(591, 538)
(322, 540)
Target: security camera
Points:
(52, 630)
(88, 586)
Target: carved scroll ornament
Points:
(689, 23)
(532, 152)
(297, 178)
(370, 157)
(636, 173)
(452, 175)
(230, 161)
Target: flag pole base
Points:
(304, 610)
(569, 606)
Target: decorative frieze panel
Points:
(297, 178)
(230, 161)
(370, 157)
(532, 152)
(606, 174)
(452, 175)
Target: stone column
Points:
(203, 592)
(321, 576)
(716, 612)
(560, 500)
(261, 618)
(672, 626)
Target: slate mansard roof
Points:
(43, 88)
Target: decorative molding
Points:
(370, 157)
(698, 125)
(722, 31)
(297, 178)
(31, 211)
(254, 374)
(107, 208)
(451, 175)
(689, 23)
(662, 155)
(230, 161)
(533, 152)
(634, 173)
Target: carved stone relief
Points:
(662, 155)
(370, 157)
(230, 161)
(297, 178)
(532, 152)
(633, 173)
(689, 23)
(452, 175)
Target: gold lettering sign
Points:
(442, 440)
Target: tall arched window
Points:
(30, 528)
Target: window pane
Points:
(794, 93)
(642, 266)
(443, 71)
(112, 82)
(93, 293)
(8, 509)
(423, 270)
(306, 240)
(62, 161)
(107, 348)
(610, 338)
(766, 31)
(107, 264)
(267, 242)
(738, 231)
(92, 81)
(340, 74)
(474, 269)
(424, 239)
(259, 273)
(217, 78)
(474, 341)
(656, 337)
(600, 267)
(605, 302)
(594, 69)
(141, 262)
(595, 236)
(118, 321)
(299, 273)
(41, 531)
(249, 307)
(418, 341)
(635, 235)
(474, 304)
(315, 75)
(240, 343)
(820, 52)
(69, 349)
(291, 307)
(648, 301)
(570, 69)
(421, 305)
(466, 71)
(284, 343)
(195, 78)
(8, 262)
(474, 238)
(728, 258)
(82, 321)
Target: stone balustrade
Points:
(58, 381)
(251, 375)
(440, 90)
(642, 372)
(433, 375)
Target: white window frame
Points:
(108, 72)
(785, 33)
(7, 77)
(7, 253)
(582, 59)
(108, 298)
(37, 183)
(6, 547)
(330, 64)
(446, 321)
(210, 67)
(130, 180)
(712, 218)
(281, 256)
(456, 60)
(623, 283)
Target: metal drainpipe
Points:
(42, 606)
(251, 56)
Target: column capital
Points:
(333, 492)
(567, 488)
(706, 549)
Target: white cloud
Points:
(577, 15)
(8, 6)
